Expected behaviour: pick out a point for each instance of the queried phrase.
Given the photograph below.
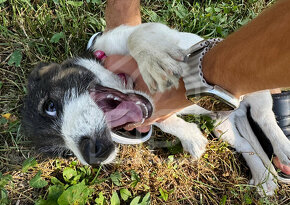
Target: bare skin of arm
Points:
(120, 12)
(257, 57)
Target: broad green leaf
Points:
(74, 163)
(37, 181)
(116, 178)
(15, 58)
(217, 9)
(56, 181)
(28, 163)
(53, 194)
(76, 179)
(4, 197)
(2, 1)
(125, 194)
(146, 187)
(135, 178)
(181, 11)
(136, 200)
(69, 173)
(134, 183)
(152, 15)
(101, 199)
(57, 164)
(164, 194)
(56, 37)
(208, 9)
(219, 30)
(4, 179)
(115, 199)
(76, 194)
(146, 199)
(75, 3)
(42, 202)
(171, 158)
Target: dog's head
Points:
(75, 105)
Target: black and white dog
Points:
(75, 105)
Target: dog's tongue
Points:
(125, 112)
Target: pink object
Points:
(284, 168)
(100, 55)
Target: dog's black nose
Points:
(95, 151)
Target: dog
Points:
(77, 104)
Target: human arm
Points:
(120, 12)
(256, 57)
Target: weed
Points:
(4, 180)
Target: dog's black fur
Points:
(41, 92)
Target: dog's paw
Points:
(159, 58)
(196, 145)
(161, 68)
(282, 150)
(265, 182)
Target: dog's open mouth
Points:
(121, 109)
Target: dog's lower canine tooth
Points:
(110, 96)
(117, 99)
(138, 103)
(146, 110)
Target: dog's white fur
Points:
(155, 46)
(79, 120)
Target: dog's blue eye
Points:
(50, 108)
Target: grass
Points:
(33, 31)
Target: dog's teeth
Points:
(143, 120)
(117, 99)
(110, 96)
(146, 115)
(145, 108)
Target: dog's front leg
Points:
(160, 59)
(261, 176)
(114, 41)
(261, 111)
(189, 134)
(262, 170)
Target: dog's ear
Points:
(38, 72)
